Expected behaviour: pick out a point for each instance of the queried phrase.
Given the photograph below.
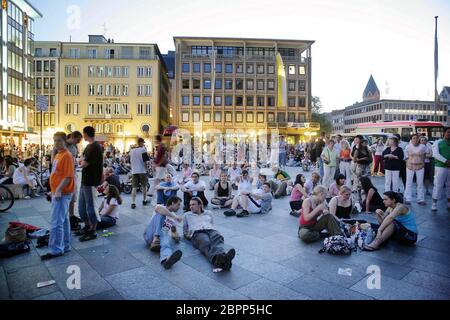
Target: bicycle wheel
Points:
(6, 199)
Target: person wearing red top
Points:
(160, 161)
(62, 187)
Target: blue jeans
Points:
(161, 197)
(155, 228)
(86, 204)
(282, 159)
(60, 226)
(321, 169)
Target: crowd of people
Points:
(339, 186)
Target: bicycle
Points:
(6, 198)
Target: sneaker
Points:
(144, 203)
(82, 232)
(229, 258)
(133, 206)
(155, 246)
(219, 261)
(49, 256)
(174, 234)
(174, 258)
(434, 207)
(229, 213)
(243, 214)
(88, 236)
(27, 197)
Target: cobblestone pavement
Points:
(271, 262)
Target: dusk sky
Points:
(391, 39)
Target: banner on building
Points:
(282, 82)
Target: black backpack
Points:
(10, 249)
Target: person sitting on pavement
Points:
(110, 208)
(298, 195)
(8, 172)
(161, 234)
(166, 189)
(194, 188)
(259, 202)
(245, 183)
(185, 174)
(341, 206)
(372, 200)
(397, 222)
(311, 225)
(23, 177)
(198, 227)
(279, 183)
(223, 197)
(312, 183)
(234, 174)
(335, 187)
(214, 176)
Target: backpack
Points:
(42, 241)
(336, 245)
(10, 249)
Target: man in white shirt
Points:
(194, 188)
(234, 173)
(139, 160)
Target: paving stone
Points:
(392, 289)
(4, 291)
(143, 284)
(129, 242)
(435, 244)
(390, 269)
(107, 295)
(234, 279)
(100, 241)
(429, 281)
(108, 260)
(23, 282)
(267, 269)
(248, 229)
(265, 289)
(22, 260)
(429, 266)
(55, 296)
(318, 289)
(71, 256)
(91, 281)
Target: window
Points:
(302, 117)
(196, 67)
(74, 53)
(68, 108)
(38, 52)
(218, 100)
(228, 101)
(38, 66)
(98, 128)
(91, 71)
(218, 67)
(185, 83)
(228, 117)
(260, 85)
(207, 68)
(206, 116)
(250, 67)
(196, 100)
(108, 109)
(270, 69)
(228, 84)
(52, 83)
(185, 100)
(196, 116)
(92, 53)
(116, 108)
(46, 83)
(76, 89)
(302, 102)
(270, 85)
(148, 109)
(239, 117)
(239, 101)
(148, 72)
(140, 109)
(218, 84)
(53, 68)
(125, 90)
(68, 89)
(195, 83)
(301, 70)
(249, 117)
(291, 69)
(228, 68)
(145, 53)
(250, 101)
(250, 85)
(107, 90)
(239, 68)
(109, 72)
(260, 69)
(281, 117)
(117, 90)
(260, 101)
(117, 72)
(207, 100)
(125, 108)
(260, 117)
(91, 108)
(99, 90)
(140, 90)
(301, 85)
(185, 117)
(109, 53)
(291, 117)
(186, 69)
(291, 101)
(76, 109)
(239, 84)
(207, 84)
(100, 108)
(271, 101)
(291, 85)
(217, 116)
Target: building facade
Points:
(444, 98)
(337, 120)
(374, 109)
(234, 84)
(120, 89)
(16, 61)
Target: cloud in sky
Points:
(391, 39)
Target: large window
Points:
(207, 116)
(218, 84)
(250, 67)
(186, 67)
(207, 68)
(218, 67)
(291, 101)
(196, 67)
(228, 101)
(195, 83)
(250, 101)
(260, 85)
(217, 116)
(228, 117)
(228, 68)
(270, 85)
(270, 69)
(218, 100)
(207, 84)
(185, 116)
(239, 68)
(250, 85)
(301, 70)
(228, 84)
(302, 102)
(260, 117)
(239, 117)
(196, 100)
(239, 84)
(249, 118)
(185, 100)
(185, 83)
(271, 101)
(196, 116)
(291, 85)
(207, 100)
(291, 69)
(260, 101)
(239, 101)
(260, 69)
(301, 85)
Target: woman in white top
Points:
(214, 176)
(377, 150)
(110, 208)
(22, 177)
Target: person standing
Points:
(337, 149)
(160, 162)
(441, 154)
(329, 157)
(378, 149)
(62, 186)
(345, 162)
(428, 176)
(91, 177)
(282, 152)
(415, 154)
(139, 160)
(355, 147)
(393, 157)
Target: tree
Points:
(317, 116)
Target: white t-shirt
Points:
(191, 186)
(106, 206)
(245, 186)
(138, 165)
(234, 173)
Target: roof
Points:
(241, 39)
(371, 90)
(30, 10)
